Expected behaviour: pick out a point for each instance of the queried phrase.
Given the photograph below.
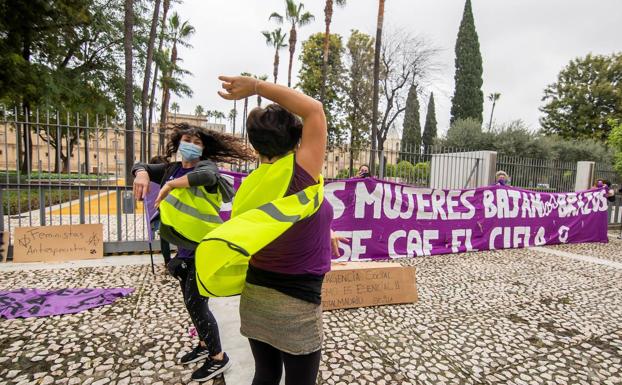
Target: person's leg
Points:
(166, 251)
(303, 369)
(268, 363)
(202, 316)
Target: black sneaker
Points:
(211, 369)
(197, 354)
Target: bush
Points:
(14, 203)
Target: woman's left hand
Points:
(334, 243)
(164, 191)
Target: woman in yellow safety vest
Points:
(280, 305)
(189, 200)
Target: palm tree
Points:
(128, 38)
(295, 15)
(262, 78)
(198, 110)
(144, 96)
(328, 17)
(179, 33)
(209, 114)
(232, 115)
(235, 111)
(166, 4)
(245, 110)
(175, 109)
(374, 122)
(275, 39)
(493, 97)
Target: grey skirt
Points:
(287, 323)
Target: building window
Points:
(94, 156)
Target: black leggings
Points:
(269, 361)
(197, 306)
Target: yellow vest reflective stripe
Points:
(187, 214)
(222, 257)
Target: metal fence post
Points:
(81, 199)
(2, 211)
(119, 219)
(42, 205)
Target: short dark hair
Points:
(273, 131)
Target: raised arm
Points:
(312, 150)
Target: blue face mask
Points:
(501, 182)
(190, 151)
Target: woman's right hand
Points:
(141, 185)
(237, 87)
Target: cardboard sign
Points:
(58, 243)
(4, 245)
(360, 284)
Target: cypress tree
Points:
(411, 132)
(429, 130)
(468, 99)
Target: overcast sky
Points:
(524, 43)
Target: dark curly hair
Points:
(273, 131)
(217, 146)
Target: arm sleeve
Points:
(204, 174)
(155, 171)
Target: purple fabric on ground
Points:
(26, 303)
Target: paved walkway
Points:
(549, 315)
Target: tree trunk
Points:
(328, 16)
(129, 83)
(374, 123)
(26, 164)
(165, 7)
(235, 114)
(292, 49)
(144, 97)
(491, 113)
(275, 72)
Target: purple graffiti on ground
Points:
(26, 303)
(391, 220)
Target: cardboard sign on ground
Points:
(4, 245)
(58, 243)
(360, 284)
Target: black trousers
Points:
(269, 362)
(196, 304)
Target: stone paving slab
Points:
(495, 317)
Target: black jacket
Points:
(204, 174)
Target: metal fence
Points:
(77, 168)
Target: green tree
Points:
(328, 17)
(179, 33)
(615, 141)
(585, 98)
(493, 97)
(358, 90)
(159, 58)
(467, 134)
(295, 15)
(175, 107)
(199, 110)
(429, 129)
(310, 77)
(128, 37)
(411, 130)
(63, 56)
(376, 84)
(468, 99)
(276, 40)
(144, 96)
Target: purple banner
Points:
(390, 220)
(26, 303)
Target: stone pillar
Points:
(585, 176)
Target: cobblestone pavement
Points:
(502, 317)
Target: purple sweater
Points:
(305, 247)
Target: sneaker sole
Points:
(219, 371)
(199, 358)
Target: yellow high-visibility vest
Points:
(261, 213)
(188, 214)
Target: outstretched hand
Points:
(237, 87)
